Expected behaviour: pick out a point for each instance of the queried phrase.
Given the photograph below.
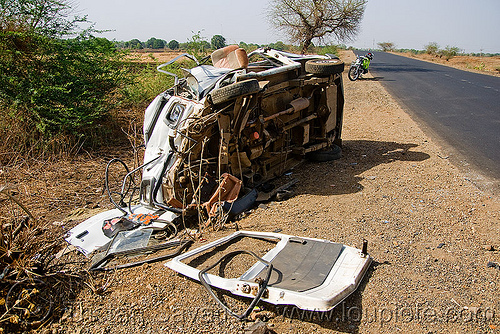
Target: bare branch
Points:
(306, 20)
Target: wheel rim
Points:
(353, 73)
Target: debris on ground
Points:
(384, 209)
(491, 264)
(34, 280)
(488, 248)
(261, 314)
(259, 327)
(312, 274)
(221, 133)
(254, 119)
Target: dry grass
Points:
(51, 190)
(42, 193)
(38, 198)
(30, 284)
(485, 65)
(154, 56)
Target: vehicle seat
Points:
(231, 56)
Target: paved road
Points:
(462, 108)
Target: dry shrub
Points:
(34, 285)
(19, 144)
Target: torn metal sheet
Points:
(128, 240)
(312, 274)
(101, 260)
(89, 236)
(227, 191)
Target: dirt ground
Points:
(154, 56)
(431, 232)
(484, 65)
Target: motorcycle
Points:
(356, 69)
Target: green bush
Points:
(279, 45)
(449, 52)
(60, 86)
(147, 83)
(217, 42)
(173, 45)
(331, 49)
(480, 67)
(432, 48)
(197, 46)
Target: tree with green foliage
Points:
(197, 45)
(173, 45)
(155, 43)
(449, 52)
(249, 47)
(328, 49)
(217, 42)
(134, 44)
(160, 44)
(386, 46)
(46, 17)
(52, 85)
(432, 48)
(308, 20)
(279, 45)
(149, 44)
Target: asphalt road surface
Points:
(461, 108)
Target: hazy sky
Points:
(470, 25)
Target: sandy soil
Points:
(154, 56)
(430, 231)
(484, 65)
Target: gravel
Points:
(426, 223)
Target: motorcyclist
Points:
(366, 62)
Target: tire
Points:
(331, 56)
(353, 73)
(334, 153)
(230, 92)
(324, 67)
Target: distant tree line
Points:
(434, 49)
(197, 43)
(152, 43)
